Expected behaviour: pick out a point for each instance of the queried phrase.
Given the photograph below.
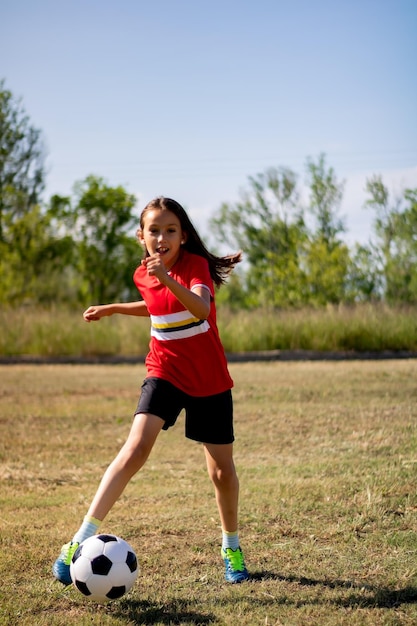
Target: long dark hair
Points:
(220, 266)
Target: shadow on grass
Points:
(370, 596)
(357, 595)
(144, 612)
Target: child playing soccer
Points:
(186, 369)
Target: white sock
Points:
(88, 528)
(230, 540)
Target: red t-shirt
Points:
(184, 350)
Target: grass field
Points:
(327, 458)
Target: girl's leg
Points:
(222, 472)
(221, 469)
(130, 459)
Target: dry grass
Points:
(327, 459)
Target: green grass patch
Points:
(341, 328)
(327, 457)
(60, 333)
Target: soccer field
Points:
(326, 454)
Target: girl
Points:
(186, 369)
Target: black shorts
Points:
(208, 419)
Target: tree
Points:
(326, 194)
(384, 224)
(34, 262)
(22, 172)
(327, 271)
(395, 227)
(99, 218)
(403, 274)
(32, 257)
(364, 281)
(327, 257)
(268, 226)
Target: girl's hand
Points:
(95, 313)
(155, 266)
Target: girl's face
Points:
(162, 234)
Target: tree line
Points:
(80, 249)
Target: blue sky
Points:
(189, 98)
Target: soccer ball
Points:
(104, 567)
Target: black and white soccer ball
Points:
(104, 567)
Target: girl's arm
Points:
(196, 301)
(95, 313)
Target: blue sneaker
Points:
(61, 567)
(235, 569)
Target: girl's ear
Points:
(139, 235)
(184, 237)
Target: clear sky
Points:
(188, 99)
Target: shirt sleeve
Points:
(201, 275)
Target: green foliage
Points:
(99, 218)
(327, 258)
(290, 264)
(232, 294)
(402, 270)
(80, 249)
(325, 198)
(395, 229)
(268, 227)
(327, 270)
(33, 262)
(22, 171)
(364, 279)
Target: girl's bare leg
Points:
(130, 459)
(221, 469)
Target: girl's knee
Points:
(224, 474)
(131, 458)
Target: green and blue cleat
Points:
(61, 567)
(235, 569)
